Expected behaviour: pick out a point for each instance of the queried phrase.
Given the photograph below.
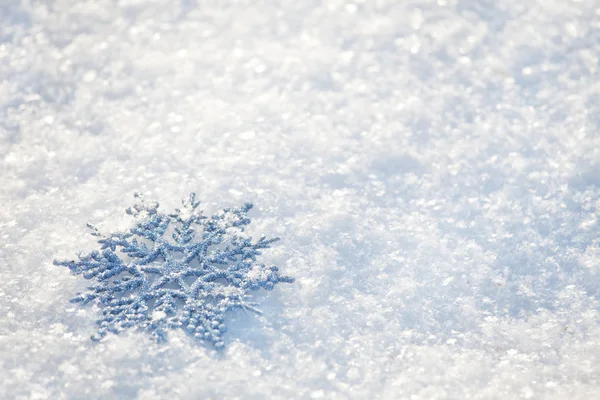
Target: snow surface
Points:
(432, 167)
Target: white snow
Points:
(157, 315)
(432, 167)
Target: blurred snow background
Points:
(432, 167)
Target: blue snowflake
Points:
(180, 270)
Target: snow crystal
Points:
(189, 282)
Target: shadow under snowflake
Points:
(156, 284)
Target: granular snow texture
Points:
(432, 168)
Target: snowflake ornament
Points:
(180, 270)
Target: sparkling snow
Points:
(432, 168)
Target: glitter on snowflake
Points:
(180, 270)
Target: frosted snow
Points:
(432, 167)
